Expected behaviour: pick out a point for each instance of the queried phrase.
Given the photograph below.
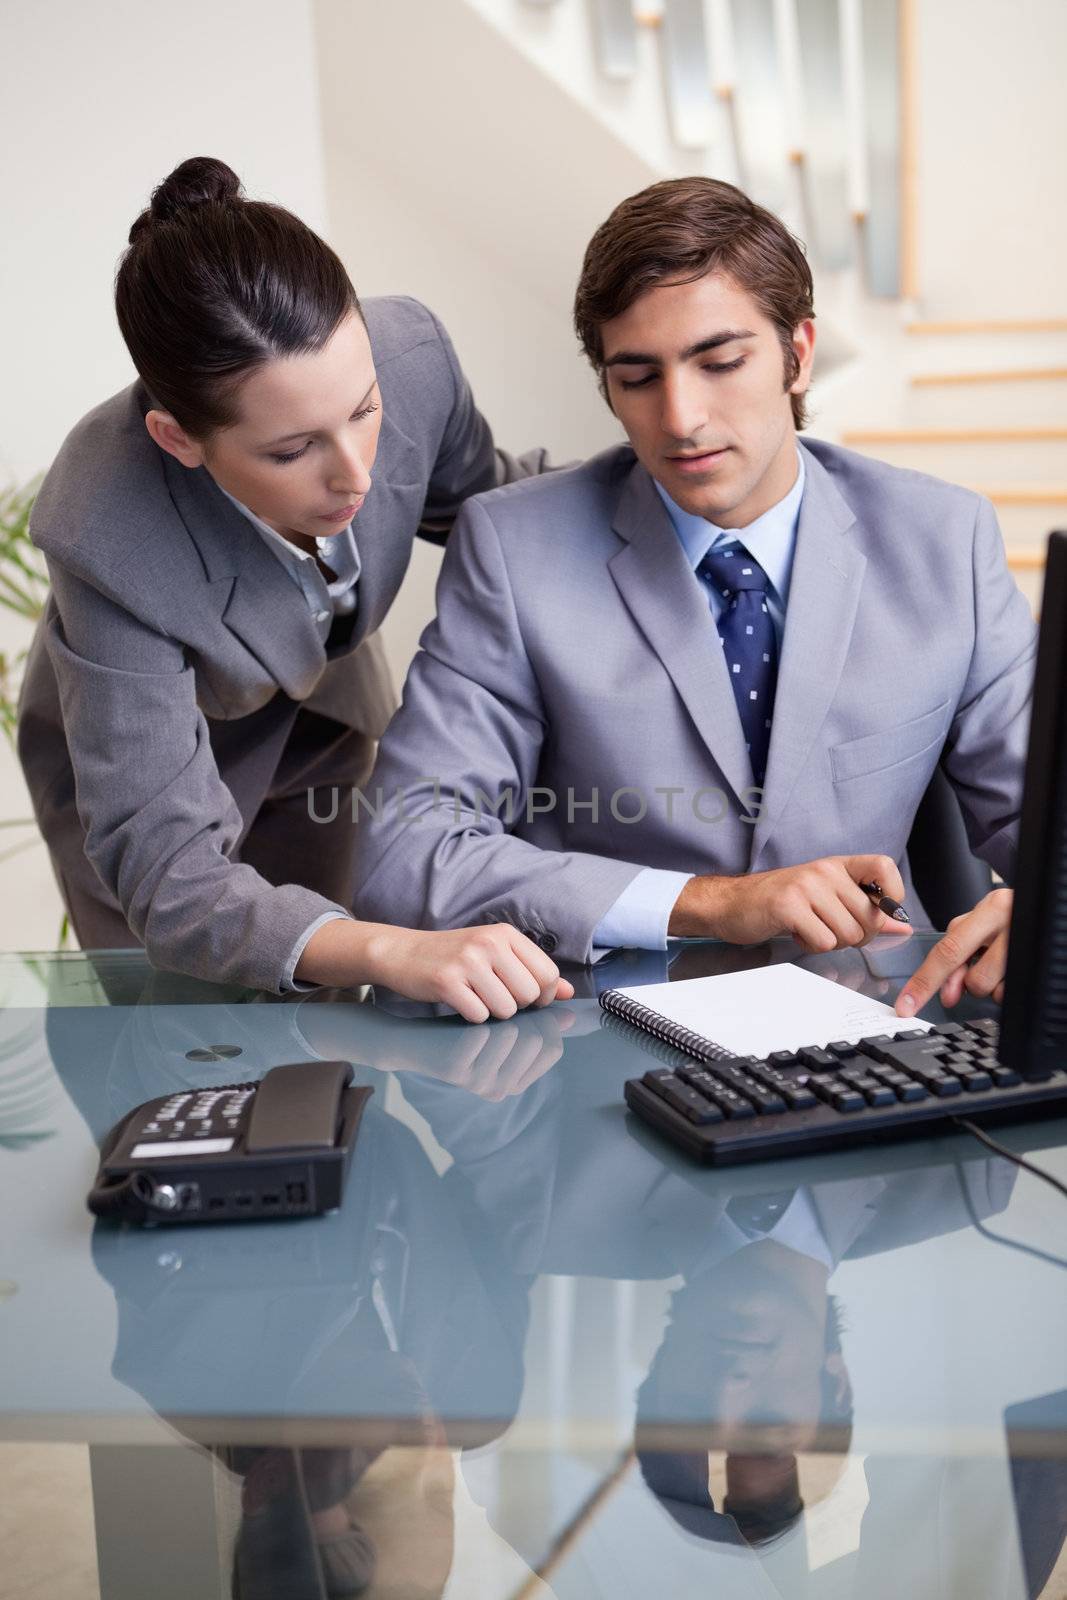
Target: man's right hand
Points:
(820, 903)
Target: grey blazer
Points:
(573, 657)
(176, 651)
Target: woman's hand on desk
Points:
(491, 971)
(971, 956)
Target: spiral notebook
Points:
(782, 1007)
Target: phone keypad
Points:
(201, 1113)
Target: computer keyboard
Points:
(743, 1108)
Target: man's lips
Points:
(700, 461)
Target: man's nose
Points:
(682, 416)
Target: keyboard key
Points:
(708, 1082)
(973, 1082)
(879, 1094)
(848, 1100)
(818, 1060)
(799, 1099)
(783, 1058)
(838, 1094)
(842, 1049)
(766, 1101)
(949, 1030)
(943, 1087)
(733, 1104)
(909, 1092)
(909, 1056)
(986, 1029)
(693, 1105)
(1004, 1077)
(796, 1096)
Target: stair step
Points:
(1024, 494)
(1005, 375)
(991, 325)
(861, 436)
(1026, 560)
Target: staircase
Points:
(809, 106)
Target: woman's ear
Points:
(172, 437)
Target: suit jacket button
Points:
(548, 942)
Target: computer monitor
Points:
(1033, 1029)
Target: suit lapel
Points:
(386, 525)
(668, 604)
(823, 595)
(256, 598)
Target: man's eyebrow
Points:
(302, 433)
(639, 358)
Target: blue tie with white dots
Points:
(750, 647)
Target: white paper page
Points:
(770, 1008)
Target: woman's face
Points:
(301, 450)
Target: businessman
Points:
(699, 684)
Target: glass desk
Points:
(536, 1352)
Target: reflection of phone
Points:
(277, 1148)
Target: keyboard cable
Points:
(1019, 1161)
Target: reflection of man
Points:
(664, 691)
(753, 1354)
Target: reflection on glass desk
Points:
(535, 1352)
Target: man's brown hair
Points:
(675, 232)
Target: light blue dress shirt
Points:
(640, 915)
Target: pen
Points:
(884, 902)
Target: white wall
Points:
(457, 171)
(993, 185)
(99, 103)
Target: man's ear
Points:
(804, 350)
(172, 437)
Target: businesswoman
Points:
(224, 538)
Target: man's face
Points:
(695, 374)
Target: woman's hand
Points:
(972, 956)
(484, 972)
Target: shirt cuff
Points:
(640, 915)
(289, 984)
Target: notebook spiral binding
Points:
(672, 1033)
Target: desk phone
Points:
(277, 1148)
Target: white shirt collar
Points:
(273, 538)
(770, 538)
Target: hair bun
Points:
(202, 180)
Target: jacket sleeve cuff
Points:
(289, 984)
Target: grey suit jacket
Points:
(573, 658)
(170, 622)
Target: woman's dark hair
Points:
(213, 285)
(675, 232)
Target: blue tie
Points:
(750, 648)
